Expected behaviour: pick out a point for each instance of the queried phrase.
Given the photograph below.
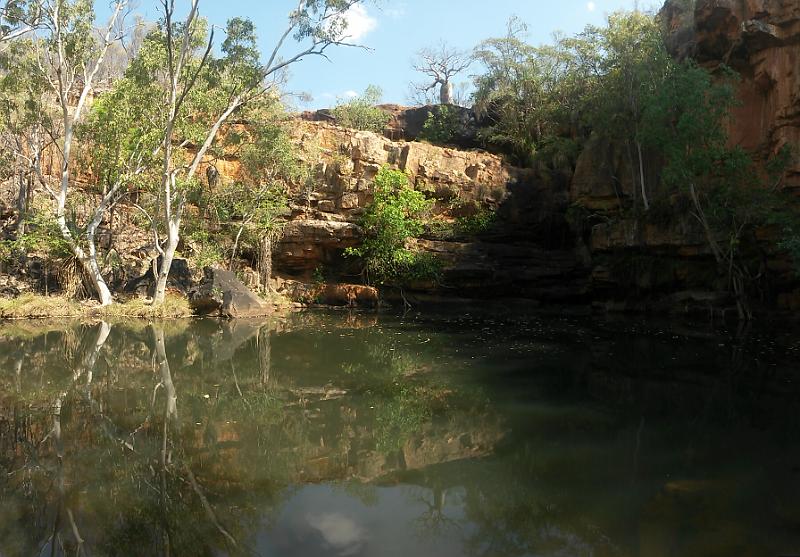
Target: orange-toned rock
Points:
(760, 39)
(350, 295)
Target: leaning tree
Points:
(316, 25)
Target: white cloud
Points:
(397, 12)
(359, 23)
(350, 94)
(340, 532)
(591, 6)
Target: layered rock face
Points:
(665, 263)
(760, 39)
(407, 123)
(528, 252)
(562, 236)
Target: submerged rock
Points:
(222, 294)
(339, 295)
(349, 295)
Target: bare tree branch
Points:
(440, 64)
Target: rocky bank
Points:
(563, 235)
(553, 235)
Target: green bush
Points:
(206, 247)
(41, 236)
(395, 216)
(441, 126)
(476, 224)
(6, 251)
(360, 113)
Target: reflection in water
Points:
(352, 435)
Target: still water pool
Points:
(336, 434)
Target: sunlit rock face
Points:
(527, 253)
(536, 249)
(351, 159)
(760, 39)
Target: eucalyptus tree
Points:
(254, 206)
(68, 58)
(241, 77)
(729, 194)
(26, 117)
(529, 96)
(18, 18)
(635, 65)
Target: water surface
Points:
(485, 434)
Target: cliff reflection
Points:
(176, 440)
(353, 435)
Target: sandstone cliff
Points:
(527, 252)
(652, 262)
(556, 235)
(760, 39)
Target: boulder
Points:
(309, 244)
(340, 295)
(180, 279)
(326, 206)
(222, 294)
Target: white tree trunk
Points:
(69, 118)
(446, 93)
(641, 176)
(173, 237)
(171, 404)
(265, 262)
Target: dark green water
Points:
(436, 435)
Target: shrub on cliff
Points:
(360, 113)
(394, 217)
(441, 126)
(731, 197)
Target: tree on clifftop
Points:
(242, 78)
(440, 64)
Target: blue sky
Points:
(396, 29)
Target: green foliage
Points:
(633, 65)
(360, 113)
(685, 120)
(538, 100)
(17, 15)
(477, 223)
(206, 248)
(318, 276)
(123, 132)
(394, 217)
(255, 206)
(527, 94)
(6, 251)
(42, 236)
(116, 137)
(442, 125)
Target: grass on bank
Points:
(34, 306)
